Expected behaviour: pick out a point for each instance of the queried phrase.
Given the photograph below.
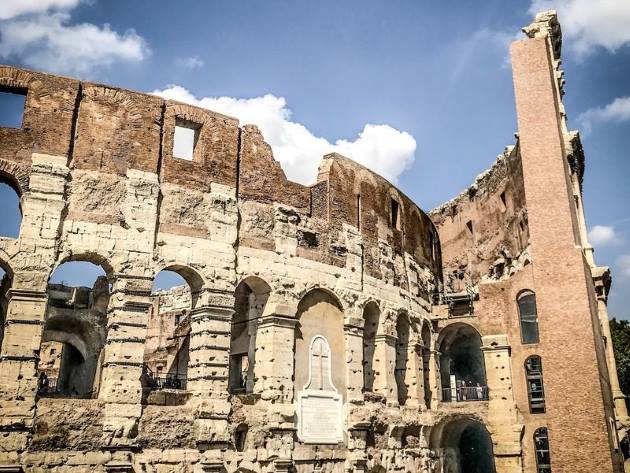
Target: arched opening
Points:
(74, 331)
(371, 316)
(528, 316)
(402, 356)
(10, 210)
(426, 363)
(319, 314)
(462, 368)
(465, 446)
(240, 438)
(167, 349)
(250, 299)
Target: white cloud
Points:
(624, 264)
(616, 111)
(13, 8)
(45, 40)
(588, 24)
(379, 147)
(602, 235)
(192, 62)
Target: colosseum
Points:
(328, 328)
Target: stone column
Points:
(414, 375)
(384, 363)
(120, 386)
(435, 377)
(356, 461)
(354, 359)
(18, 363)
(601, 279)
(504, 424)
(209, 364)
(275, 343)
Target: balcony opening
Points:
(250, 299)
(462, 368)
(464, 446)
(12, 103)
(167, 348)
(185, 139)
(75, 330)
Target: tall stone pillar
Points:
(275, 342)
(384, 363)
(354, 359)
(503, 420)
(601, 279)
(435, 377)
(209, 364)
(18, 376)
(120, 386)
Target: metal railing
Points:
(50, 387)
(465, 393)
(176, 381)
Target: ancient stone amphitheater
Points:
(327, 328)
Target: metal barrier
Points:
(177, 381)
(465, 393)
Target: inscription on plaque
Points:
(320, 410)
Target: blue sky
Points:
(419, 91)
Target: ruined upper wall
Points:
(484, 231)
(111, 135)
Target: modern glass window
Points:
(541, 445)
(528, 317)
(535, 386)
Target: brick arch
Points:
(195, 115)
(15, 175)
(12, 77)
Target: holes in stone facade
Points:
(371, 317)
(75, 330)
(541, 445)
(535, 385)
(12, 102)
(528, 317)
(307, 239)
(10, 211)
(249, 303)
(185, 139)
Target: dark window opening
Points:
(395, 207)
(240, 438)
(469, 225)
(185, 139)
(541, 445)
(503, 200)
(12, 103)
(307, 239)
(535, 386)
(528, 317)
(359, 211)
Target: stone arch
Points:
(74, 333)
(464, 445)
(320, 314)
(302, 295)
(250, 299)
(15, 176)
(193, 278)
(88, 257)
(462, 365)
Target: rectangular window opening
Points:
(503, 200)
(12, 104)
(395, 214)
(185, 139)
(359, 211)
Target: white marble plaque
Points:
(320, 417)
(320, 409)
